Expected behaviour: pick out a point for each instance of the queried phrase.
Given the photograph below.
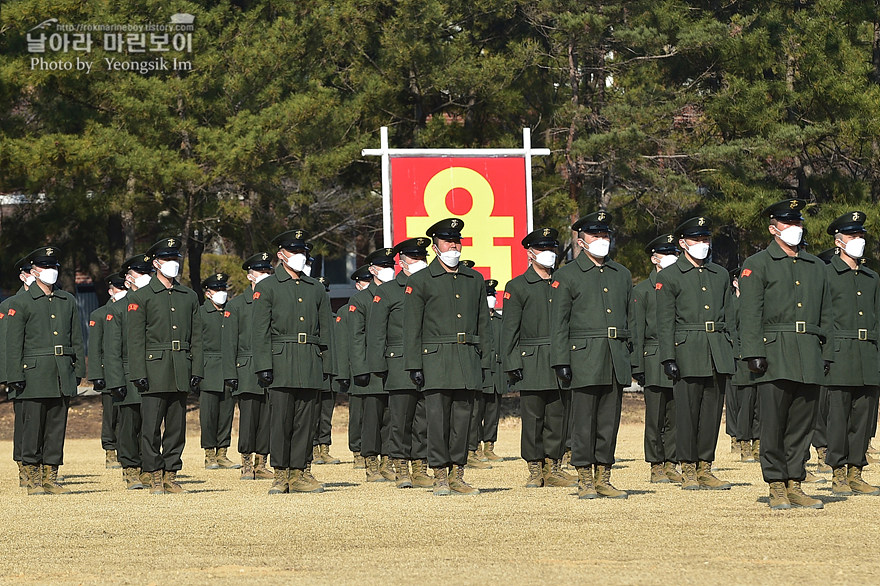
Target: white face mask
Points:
(855, 248)
(792, 235)
(219, 297)
(307, 270)
(699, 250)
(141, 281)
(257, 278)
(385, 274)
(491, 300)
(546, 258)
(170, 268)
(361, 285)
(119, 295)
(450, 258)
(29, 280)
(297, 262)
(599, 248)
(48, 276)
(667, 260)
(415, 267)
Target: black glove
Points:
(79, 379)
(118, 392)
(344, 383)
(17, 386)
(639, 377)
(326, 376)
(758, 365)
(99, 384)
(194, 383)
(265, 378)
(232, 383)
(563, 373)
(514, 376)
(417, 377)
(142, 384)
(670, 369)
(827, 366)
(362, 380)
(383, 375)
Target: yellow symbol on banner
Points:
(480, 226)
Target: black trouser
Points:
(819, 437)
(373, 440)
(17, 429)
(595, 417)
(292, 425)
(659, 425)
(788, 411)
(216, 411)
(128, 436)
(748, 421)
(109, 421)
(733, 405)
(253, 424)
(566, 399)
(544, 425)
(44, 424)
(698, 407)
(324, 430)
(484, 419)
(355, 420)
(408, 429)
(162, 449)
(449, 420)
(849, 425)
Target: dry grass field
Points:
(230, 532)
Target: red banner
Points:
(488, 193)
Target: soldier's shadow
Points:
(637, 492)
(340, 484)
(824, 498)
(491, 490)
(206, 490)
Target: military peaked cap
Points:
(413, 247)
(448, 229)
(166, 248)
(664, 244)
(786, 210)
(542, 238)
(362, 274)
(218, 281)
(139, 263)
(116, 280)
(262, 261)
(46, 256)
(698, 226)
(380, 256)
(596, 222)
(491, 284)
(848, 223)
(293, 240)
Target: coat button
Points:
(391, 354)
(25, 366)
(705, 307)
(797, 282)
(704, 288)
(573, 348)
(605, 289)
(425, 350)
(172, 309)
(173, 327)
(150, 356)
(55, 333)
(458, 315)
(523, 353)
(457, 295)
(608, 310)
(53, 315)
(800, 304)
(857, 293)
(300, 299)
(861, 313)
(302, 318)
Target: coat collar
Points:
(532, 276)
(209, 307)
(583, 261)
(684, 265)
(436, 269)
(282, 275)
(401, 278)
(841, 267)
(157, 287)
(776, 253)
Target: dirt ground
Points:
(227, 531)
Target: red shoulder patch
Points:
(352, 308)
(555, 284)
(10, 313)
(257, 295)
(2, 315)
(376, 299)
(226, 314)
(338, 319)
(408, 290)
(506, 295)
(658, 286)
(132, 306)
(746, 272)
(91, 323)
(109, 317)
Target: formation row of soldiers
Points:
(424, 357)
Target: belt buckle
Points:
(710, 326)
(462, 337)
(59, 351)
(863, 334)
(800, 327)
(301, 338)
(175, 345)
(612, 332)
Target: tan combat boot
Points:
(157, 485)
(22, 476)
(553, 475)
(479, 452)
(708, 480)
(586, 486)
(734, 445)
(404, 480)
(536, 475)
(132, 479)
(247, 467)
(658, 475)
(260, 470)
(779, 497)
(50, 481)
(309, 477)
(813, 479)
(34, 475)
(359, 461)
(671, 472)
(441, 482)
(821, 465)
(110, 461)
(145, 478)
(602, 483)
(489, 452)
(473, 461)
(211, 459)
(689, 476)
(386, 469)
(756, 449)
(224, 462)
(281, 484)
(373, 474)
(317, 456)
(839, 484)
(797, 498)
(170, 484)
(300, 482)
(325, 455)
(420, 476)
(566, 460)
(746, 453)
(457, 484)
(857, 484)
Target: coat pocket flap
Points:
(156, 355)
